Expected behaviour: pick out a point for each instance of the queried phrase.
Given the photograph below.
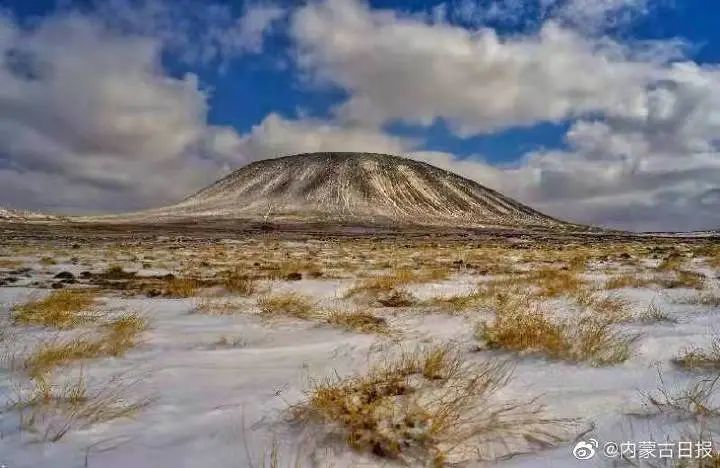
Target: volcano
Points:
(353, 187)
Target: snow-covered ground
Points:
(224, 403)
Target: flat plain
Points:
(251, 344)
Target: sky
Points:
(595, 111)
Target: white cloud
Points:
(401, 68)
(89, 120)
(276, 136)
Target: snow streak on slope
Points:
(355, 186)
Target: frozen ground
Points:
(222, 404)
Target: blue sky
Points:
(247, 89)
(249, 80)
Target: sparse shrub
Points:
(429, 406)
(60, 309)
(358, 320)
(696, 358)
(292, 304)
(694, 401)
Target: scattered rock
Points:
(66, 275)
(294, 276)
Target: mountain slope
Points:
(362, 187)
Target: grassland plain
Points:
(272, 346)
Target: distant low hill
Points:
(353, 187)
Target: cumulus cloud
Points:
(642, 153)
(277, 136)
(401, 68)
(89, 120)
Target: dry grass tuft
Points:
(685, 279)
(612, 307)
(292, 304)
(429, 406)
(218, 306)
(51, 410)
(122, 334)
(556, 283)
(694, 401)
(460, 303)
(117, 338)
(396, 298)
(628, 280)
(61, 309)
(182, 287)
(395, 280)
(522, 325)
(239, 284)
(360, 321)
(707, 298)
(696, 358)
(654, 314)
(672, 262)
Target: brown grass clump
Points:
(50, 410)
(61, 309)
(555, 283)
(397, 279)
(460, 303)
(696, 358)
(382, 283)
(292, 304)
(672, 262)
(628, 280)
(359, 321)
(396, 298)
(117, 338)
(182, 287)
(614, 308)
(522, 325)
(239, 284)
(684, 279)
(429, 406)
(122, 334)
(217, 306)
